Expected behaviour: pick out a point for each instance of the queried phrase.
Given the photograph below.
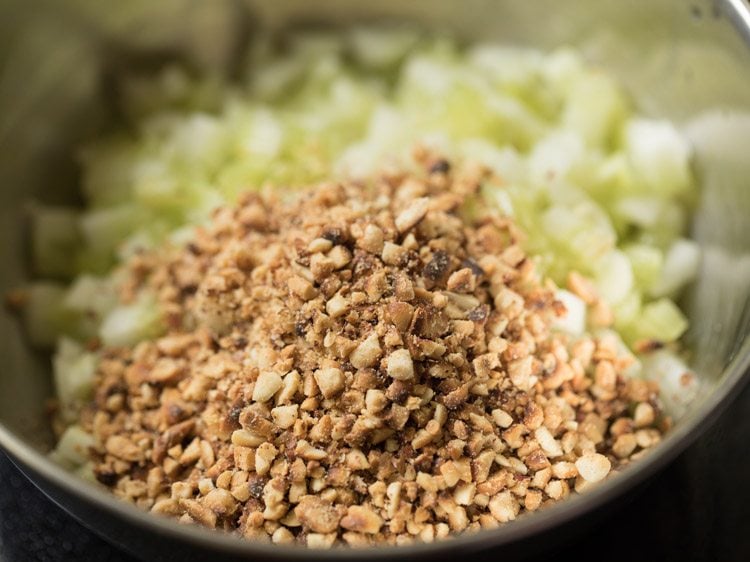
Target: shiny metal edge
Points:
(738, 12)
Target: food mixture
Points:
(389, 290)
(360, 365)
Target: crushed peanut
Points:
(364, 364)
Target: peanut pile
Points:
(361, 364)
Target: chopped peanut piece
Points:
(582, 287)
(337, 306)
(264, 456)
(123, 448)
(285, 416)
(400, 365)
(414, 213)
(319, 245)
(503, 507)
(362, 520)
(220, 502)
(318, 515)
(501, 418)
(266, 386)
(372, 239)
(593, 467)
(548, 443)
(366, 353)
(643, 415)
(330, 381)
(392, 253)
(462, 281)
(302, 288)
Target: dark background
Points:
(698, 509)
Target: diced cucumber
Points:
(553, 156)
(44, 315)
(130, 323)
(594, 108)
(381, 48)
(646, 262)
(680, 268)
(108, 171)
(581, 232)
(72, 448)
(55, 239)
(627, 311)
(103, 231)
(574, 320)
(660, 320)
(614, 276)
(74, 370)
(678, 385)
(507, 67)
(90, 294)
(643, 211)
(262, 136)
(659, 154)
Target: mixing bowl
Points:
(684, 61)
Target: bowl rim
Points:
(738, 12)
(734, 377)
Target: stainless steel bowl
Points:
(686, 61)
